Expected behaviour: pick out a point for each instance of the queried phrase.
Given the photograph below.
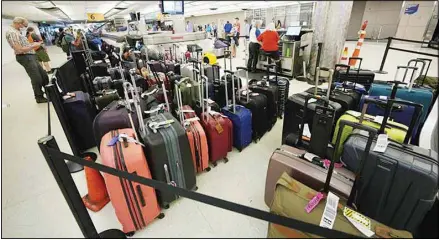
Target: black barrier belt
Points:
(410, 51)
(234, 207)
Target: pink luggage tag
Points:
(326, 163)
(314, 202)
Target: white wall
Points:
(356, 18)
(7, 52)
(383, 14)
(218, 19)
(413, 26)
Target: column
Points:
(330, 24)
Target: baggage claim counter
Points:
(294, 47)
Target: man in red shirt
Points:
(270, 39)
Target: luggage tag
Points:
(327, 162)
(121, 137)
(361, 222)
(330, 212)
(314, 202)
(381, 144)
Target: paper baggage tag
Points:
(330, 212)
(355, 114)
(314, 202)
(312, 100)
(219, 128)
(361, 222)
(309, 156)
(383, 97)
(381, 144)
(378, 119)
(306, 131)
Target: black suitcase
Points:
(294, 113)
(358, 75)
(283, 89)
(99, 69)
(80, 113)
(105, 98)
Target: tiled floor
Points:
(33, 206)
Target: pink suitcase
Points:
(135, 204)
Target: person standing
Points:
(227, 29)
(270, 43)
(209, 30)
(67, 41)
(238, 31)
(189, 27)
(215, 30)
(253, 47)
(41, 52)
(25, 56)
(278, 25)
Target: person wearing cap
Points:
(25, 56)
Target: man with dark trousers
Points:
(253, 47)
(25, 55)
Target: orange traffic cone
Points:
(356, 53)
(344, 56)
(97, 196)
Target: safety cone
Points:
(97, 196)
(344, 56)
(356, 53)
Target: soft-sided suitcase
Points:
(218, 128)
(107, 97)
(397, 132)
(270, 92)
(397, 187)
(298, 201)
(423, 96)
(99, 69)
(241, 118)
(291, 198)
(195, 133)
(80, 113)
(102, 83)
(135, 204)
(168, 151)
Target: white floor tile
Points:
(33, 206)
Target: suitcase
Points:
(101, 83)
(190, 91)
(283, 87)
(218, 128)
(212, 73)
(423, 96)
(358, 76)
(168, 151)
(107, 97)
(257, 104)
(241, 118)
(271, 92)
(99, 69)
(135, 204)
(397, 187)
(80, 113)
(291, 198)
(195, 133)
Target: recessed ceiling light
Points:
(213, 9)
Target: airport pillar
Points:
(330, 23)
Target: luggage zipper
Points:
(122, 183)
(130, 184)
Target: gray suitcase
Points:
(397, 187)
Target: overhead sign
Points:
(411, 9)
(95, 17)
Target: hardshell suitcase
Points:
(397, 187)
(283, 88)
(241, 118)
(423, 96)
(135, 204)
(107, 97)
(257, 104)
(80, 113)
(292, 196)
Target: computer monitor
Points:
(293, 31)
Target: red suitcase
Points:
(195, 133)
(219, 130)
(135, 204)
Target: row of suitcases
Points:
(396, 186)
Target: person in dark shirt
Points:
(227, 29)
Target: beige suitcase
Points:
(286, 159)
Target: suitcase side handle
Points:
(372, 133)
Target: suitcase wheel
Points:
(130, 234)
(226, 160)
(207, 169)
(214, 164)
(166, 206)
(161, 216)
(240, 149)
(196, 188)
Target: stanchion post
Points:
(68, 188)
(381, 71)
(65, 182)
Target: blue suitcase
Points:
(423, 96)
(241, 118)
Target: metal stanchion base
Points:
(112, 234)
(74, 167)
(380, 72)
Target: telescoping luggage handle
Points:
(337, 74)
(372, 133)
(316, 86)
(238, 69)
(389, 104)
(228, 72)
(396, 82)
(360, 60)
(416, 61)
(428, 68)
(129, 87)
(162, 83)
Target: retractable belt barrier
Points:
(56, 161)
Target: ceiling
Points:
(76, 10)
